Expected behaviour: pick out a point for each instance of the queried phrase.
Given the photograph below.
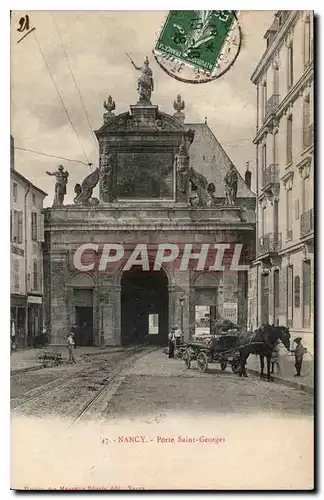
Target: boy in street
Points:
(70, 344)
(299, 353)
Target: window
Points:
(34, 226)
(289, 214)
(290, 65)
(16, 226)
(307, 42)
(264, 89)
(264, 298)
(289, 139)
(263, 209)
(275, 80)
(15, 191)
(306, 293)
(35, 275)
(276, 297)
(307, 138)
(15, 269)
(297, 291)
(264, 162)
(34, 199)
(290, 286)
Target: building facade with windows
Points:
(281, 278)
(26, 255)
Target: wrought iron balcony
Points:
(271, 105)
(308, 136)
(270, 175)
(269, 243)
(307, 223)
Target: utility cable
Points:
(61, 99)
(52, 156)
(74, 80)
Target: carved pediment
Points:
(148, 120)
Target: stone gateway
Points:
(151, 168)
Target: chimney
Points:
(248, 175)
(12, 153)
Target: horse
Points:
(261, 342)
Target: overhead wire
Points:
(51, 156)
(61, 100)
(74, 80)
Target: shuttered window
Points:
(34, 226)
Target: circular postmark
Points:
(198, 46)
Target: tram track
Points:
(22, 402)
(83, 411)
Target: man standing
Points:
(171, 343)
(70, 344)
(299, 354)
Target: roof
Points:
(14, 173)
(209, 158)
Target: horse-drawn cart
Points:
(222, 349)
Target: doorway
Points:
(144, 307)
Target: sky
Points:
(96, 43)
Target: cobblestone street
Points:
(120, 408)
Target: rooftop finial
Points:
(205, 120)
(179, 106)
(109, 106)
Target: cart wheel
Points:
(39, 358)
(223, 365)
(202, 361)
(235, 366)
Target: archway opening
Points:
(144, 307)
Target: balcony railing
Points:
(270, 175)
(271, 105)
(308, 136)
(307, 223)
(270, 243)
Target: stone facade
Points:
(282, 274)
(144, 198)
(26, 256)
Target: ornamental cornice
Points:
(274, 47)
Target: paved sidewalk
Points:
(25, 360)
(287, 370)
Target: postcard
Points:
(162, 250)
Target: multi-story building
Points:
(27, 235)
(281, 278)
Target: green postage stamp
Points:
(196, 38)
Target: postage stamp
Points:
(198, 46)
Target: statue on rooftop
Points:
(84, 191)
(61, 178)
(230, 181)
(145, 83)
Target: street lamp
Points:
(181, 301)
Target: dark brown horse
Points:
(261, 342)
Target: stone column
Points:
(59, 310)
(109, 314)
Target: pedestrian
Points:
(275, 360)
(74, 330)
(171, 342)
(70, 344)
(177, 334)
(12, 335)
(299, 354)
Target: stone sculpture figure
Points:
(230, 181)
(145, 82)
(61, 178)
(199, 184)
(84, 192)
(182, 167)
(105, 171)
